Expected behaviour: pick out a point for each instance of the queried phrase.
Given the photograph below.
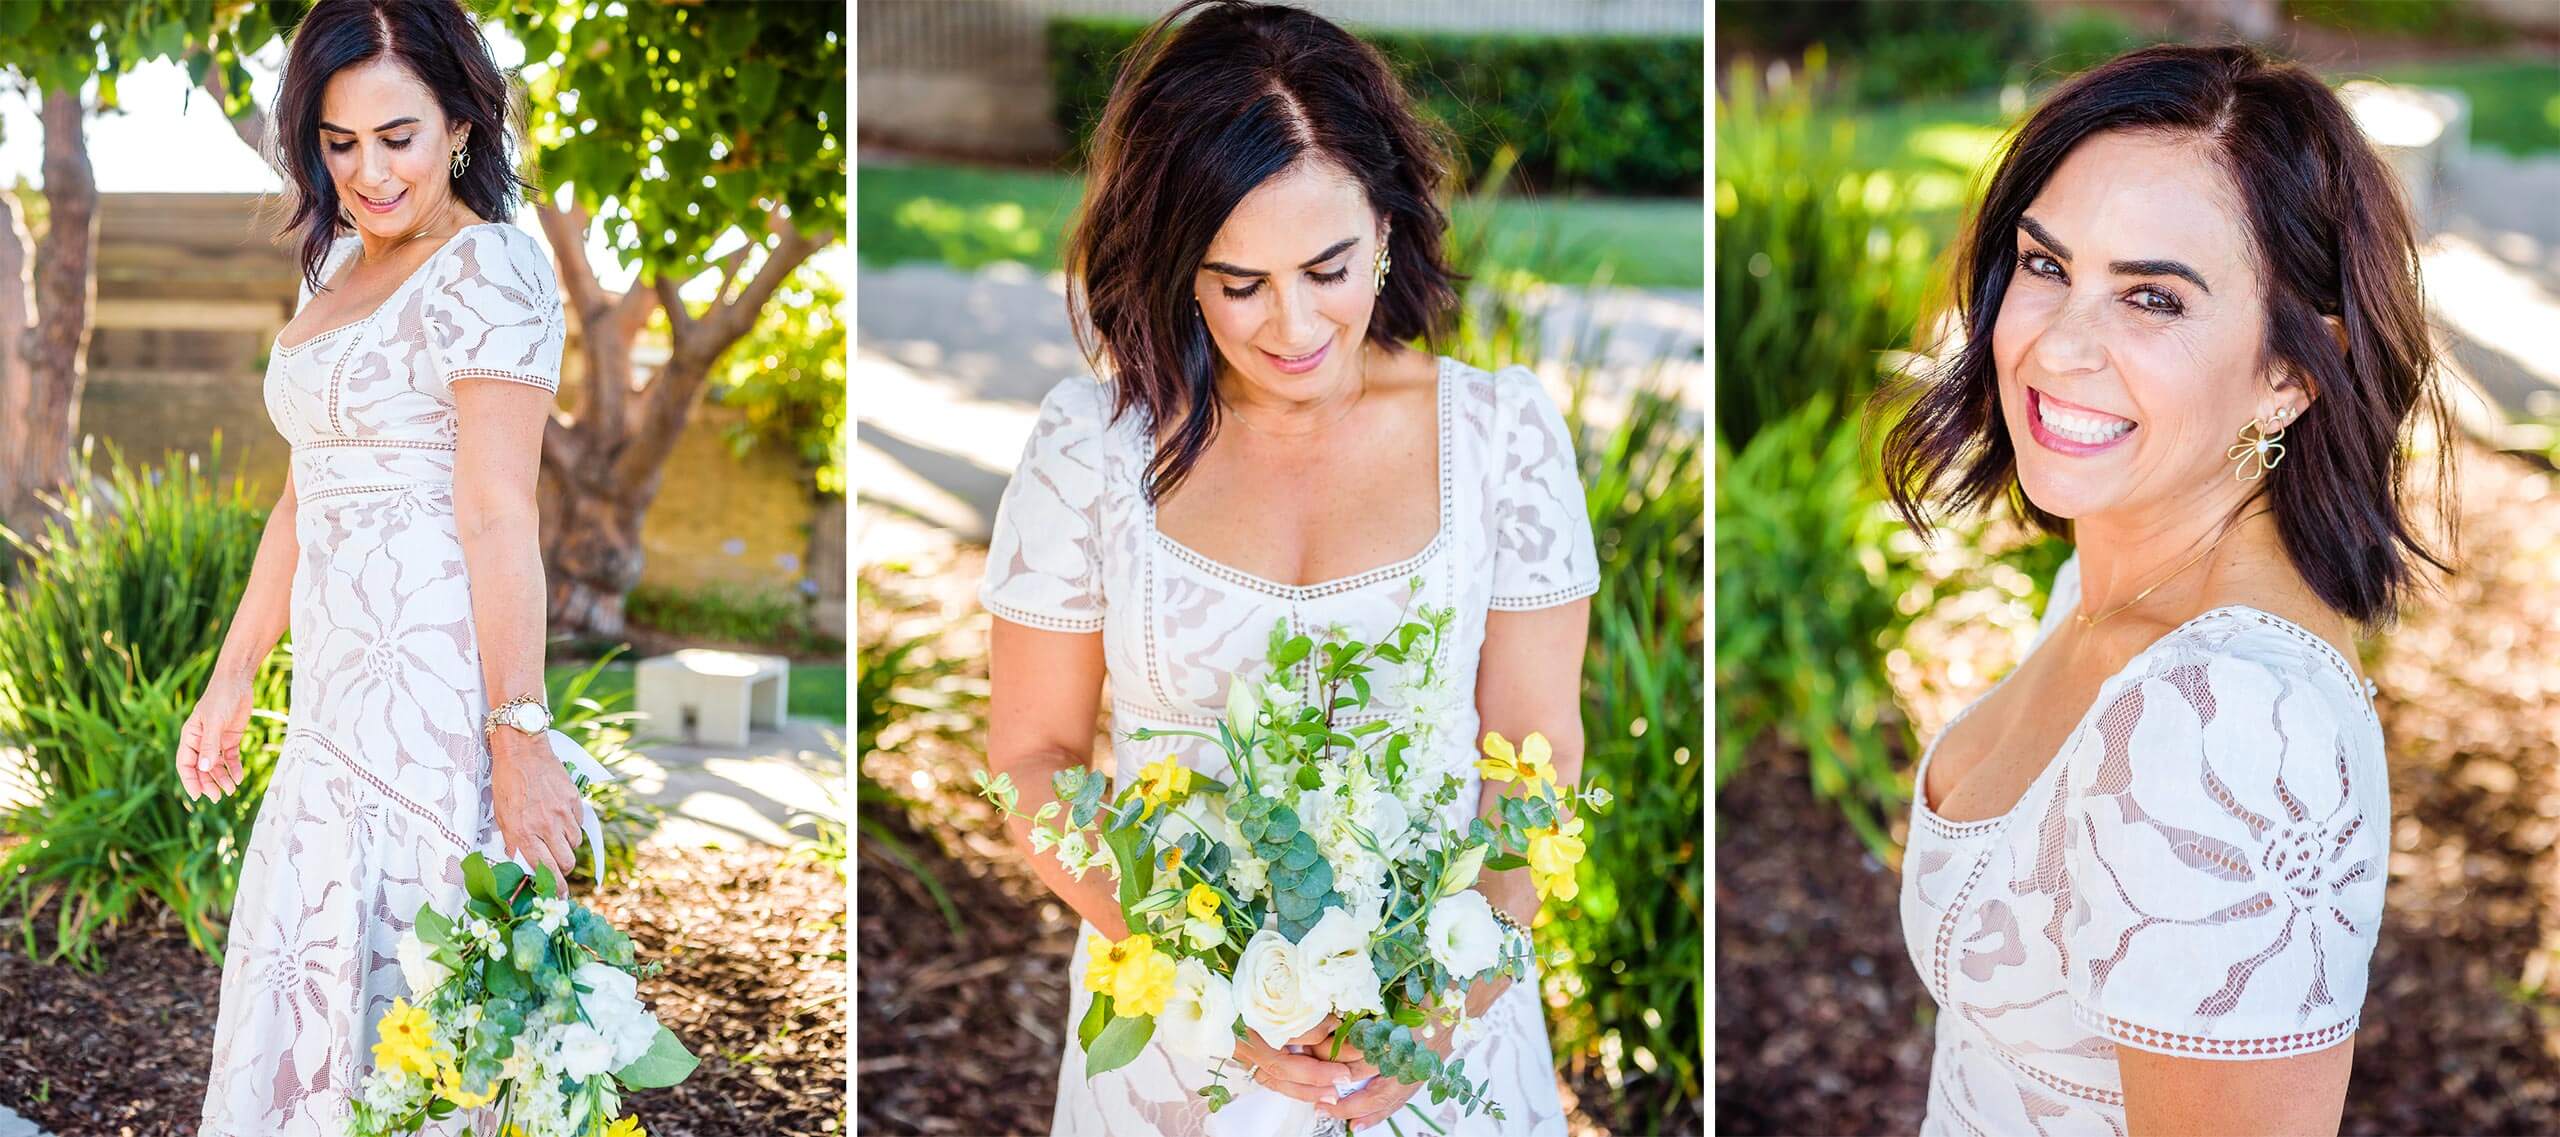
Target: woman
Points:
(1259, 244)
(413, 383)
(2145, 872)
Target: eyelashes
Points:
(394, 143)
(2145, 298)
(1249, 291)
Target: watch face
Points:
(529, 718)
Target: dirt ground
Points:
(754, 985)
(1821, 1026)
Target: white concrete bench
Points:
(711, 697)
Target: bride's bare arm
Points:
(496, 463)
(1044, 692)
(1531, 682)
(208, 759)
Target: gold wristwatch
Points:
(523, 713)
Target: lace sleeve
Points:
(493, 310)
(2228, 856)
(1044, 555)
(1543, 554)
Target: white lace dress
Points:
(2199, 873)
(1076, 549)
(382, 786)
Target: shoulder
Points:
(1078, 402)
(498, 254)
(2251, 698)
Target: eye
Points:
(341, 147)
(1245, 293)
(2039, 265)
(2156, 301)
(397, 143)
(1334, 277)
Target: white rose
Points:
(419, 966)
(612, 1003)
(1462, 935)
(1199, 1020)
(1271, 990)
(581, 1051)
(1336, 955)
(1389, 825)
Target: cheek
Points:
(2024, 313)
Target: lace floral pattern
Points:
(2198, 873)
(382, 787)
(1075, 548)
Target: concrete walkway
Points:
(12, 1125)
(2491, 261)
(950, 368)
(739, 797)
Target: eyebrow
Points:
(2121, 268)
(1332, 251)
(397, 122)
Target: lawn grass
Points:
(966, 217)
(817, 689)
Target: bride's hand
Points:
(1305, 1077)
(1381, 1098)
(208, 758)
(537, 806)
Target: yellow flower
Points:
(408, 1040)
(1553, 853)
(627, 1126)
(1202, 902)
(1173, 858)
(449, 1086)
(1529, 765)
(1136, 976)
(1162, 781)
(1146, 983)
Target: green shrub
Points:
(904, 689)
(108, 636)
(1897, 49)
(1623, 964)
(595, 715)
(2430, 20)
(2085, 38)
(1610, 114)
(728, 614)
(1818, 266)
(1805, 611)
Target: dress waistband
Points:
(337, 467)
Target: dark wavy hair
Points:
(2331, 237)
(437, 41)
(1200, 115)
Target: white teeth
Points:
(2089, 429)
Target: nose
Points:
(2070, 342)
(1296, 321)
(377, 164)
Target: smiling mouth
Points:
(2071, 422)
(380, 204)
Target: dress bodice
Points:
(368, 405)
(1076, 548)
(2198, 873)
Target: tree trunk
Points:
(40, 387)
(603, 461)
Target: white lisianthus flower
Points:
(1271, 990)
(1248, 876)
(1280, 698)
(1244, 705)
(1388, 822)
(418, 965)
(1335, 954)
(1462, 934)
(1464, 870)
(582, 1051)
(612, 1002)
(1199, 1020)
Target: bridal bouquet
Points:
(1323, 879)
(527, 1001)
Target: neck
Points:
(1265, 413)
(441, 223)
(2123, 554)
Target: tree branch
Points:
(254, 126)
(567, 232)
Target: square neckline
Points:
(385, 302)
(1951, 828)
(1347, 581)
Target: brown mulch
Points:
(754, 984)
(1821, 1026)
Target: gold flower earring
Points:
(1385, 262)
(2258, 451)
(461, 160)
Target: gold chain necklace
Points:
(2089, 621)
(1347, 406)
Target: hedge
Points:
(1608, 114)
